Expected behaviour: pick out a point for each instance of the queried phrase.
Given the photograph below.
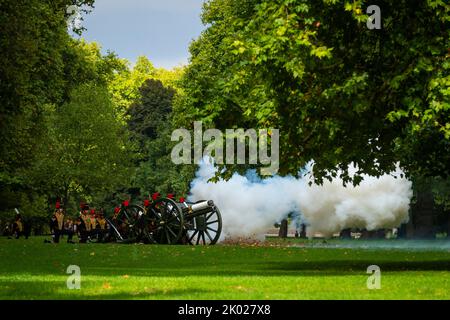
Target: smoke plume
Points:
(250, 206)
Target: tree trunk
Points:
(423, 213)
(346, 234)
(283, 229)
(401, 231)
(448, 226)
(409, 228)
(303, 231)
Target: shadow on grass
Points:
(346, 266)
(266, 269)
(38, 290)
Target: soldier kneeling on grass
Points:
(69, 229)
(81, 230)
(53, 229)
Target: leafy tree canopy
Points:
(33, 48)
(338, 92)
(86, 149)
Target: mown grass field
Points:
(30, 269)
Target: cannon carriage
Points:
(165, 221)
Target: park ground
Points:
(294, 269)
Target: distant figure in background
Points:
(302, 233)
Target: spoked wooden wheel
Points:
(205, 229)
(168, 221)
(127, 222)
(143, 230)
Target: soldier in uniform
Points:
(69, 229)
(81, 230)
(85, 232)
(93, 225)
(17, 229)
(53, 229)
(102, 226)
(58, 226)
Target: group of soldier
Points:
(89, 226)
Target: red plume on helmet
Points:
(155, 196)
(57, 205)
(170, 196)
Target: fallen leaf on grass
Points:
(106, 285)
(150, 290)
(240, 288)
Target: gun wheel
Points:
(205, 229)
(167, 221)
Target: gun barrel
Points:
(202, 205)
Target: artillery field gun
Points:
(165, 221)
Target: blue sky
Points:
(158, 29)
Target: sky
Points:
(158, 29)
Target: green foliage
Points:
(158, 173)
(125, 84)
(64, 110)
(439, 188)
(33, 48)
(86, 149)
(338, 92)
(150, 120)
(151, 110)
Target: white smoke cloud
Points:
(250, 206)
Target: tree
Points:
(125, 85)
(126, 82)
(87, 149)
(339, 92)
(150, 119)
(151, 110)
(33, 42)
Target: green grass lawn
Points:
(30, 269)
